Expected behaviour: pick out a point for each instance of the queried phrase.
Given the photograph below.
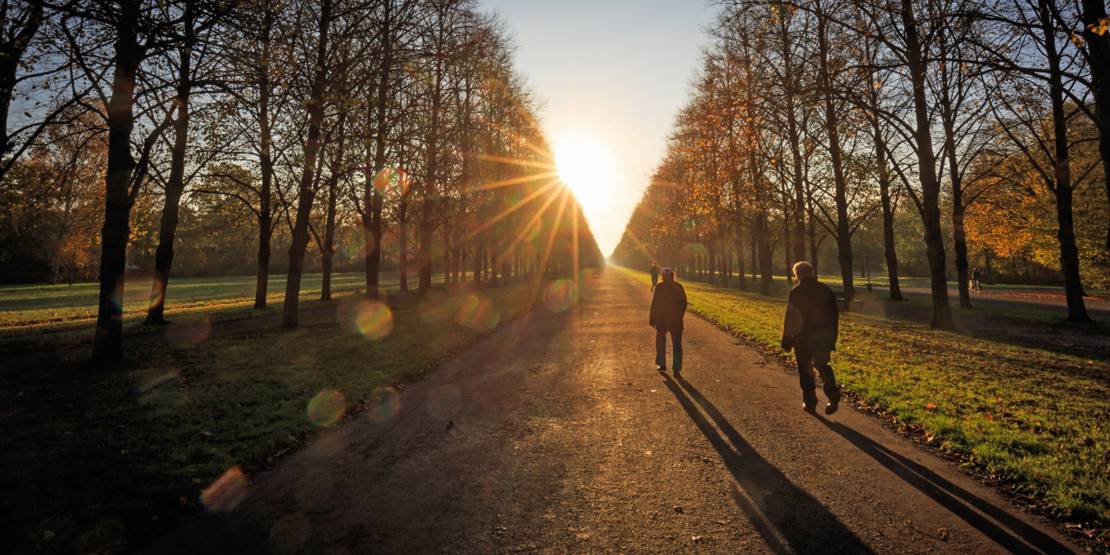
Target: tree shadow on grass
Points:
(1007, 531)
(789, 519)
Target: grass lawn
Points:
(1034, 419)
(36, 306)
(95, 462)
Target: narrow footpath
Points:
(555, 434)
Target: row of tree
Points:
(398, 117)
(818, 118)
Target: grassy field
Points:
(1031, 416)
(37, 306)
(97, 461)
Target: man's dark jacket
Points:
(668, 306)
(812, 318)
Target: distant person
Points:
(976, 279)
(654, 276)
(668, 307)
(810, 329)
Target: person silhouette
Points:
(668, 307)
(654, 275)
(810, 328)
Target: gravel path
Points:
(555, 434)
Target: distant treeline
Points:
(921, 137)
(195, 137)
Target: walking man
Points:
(654, 276)
(668, 307)
(810, 329)
(976, 280)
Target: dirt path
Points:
(556, 435)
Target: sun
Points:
(585, 166)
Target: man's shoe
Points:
(832, 406)
(660, 368)
(677, 372)
(809, 408)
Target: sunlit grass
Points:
(37, 305)
(1033, 419)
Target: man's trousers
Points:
(806, 362)
(661, 348)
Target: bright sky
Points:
(611, 74)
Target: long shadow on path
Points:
(1005, 529)
(789, 519)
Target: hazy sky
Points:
(610, 71)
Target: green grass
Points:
(1033, 419)
(98, 461)
(37, 305)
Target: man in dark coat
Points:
(668, 307)
(654, 276)
(810, 329)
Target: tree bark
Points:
(306, 191)
(889, 252)
(926, 163)
(403, 245)
(327, 254)
(1098, 46)
(108, 341)
(797, 236)
(266, 165)
(12, 49)
(764, 242)
(175, 187)
(373, 194)
(840, 193)
(1065, 233)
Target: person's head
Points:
(803, 270)
(668, 274)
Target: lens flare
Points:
(384, 404)
(326, 408)
(560, 295)
(373, 319)
(226, 493)
(477, 313)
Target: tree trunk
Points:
(306, 191)
(266, 167)
(1065, 233)
(478, 250)
(403, 245)
(1098, 45)
(327, 254)
(883, 170)
(374, 193)
(959, 236)
(741, 278)
(108, 341)
(797, 236)
(175, 187)
(840, 193)
(14, 45)
(926, 163)
(764, 242)
(814, 246)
